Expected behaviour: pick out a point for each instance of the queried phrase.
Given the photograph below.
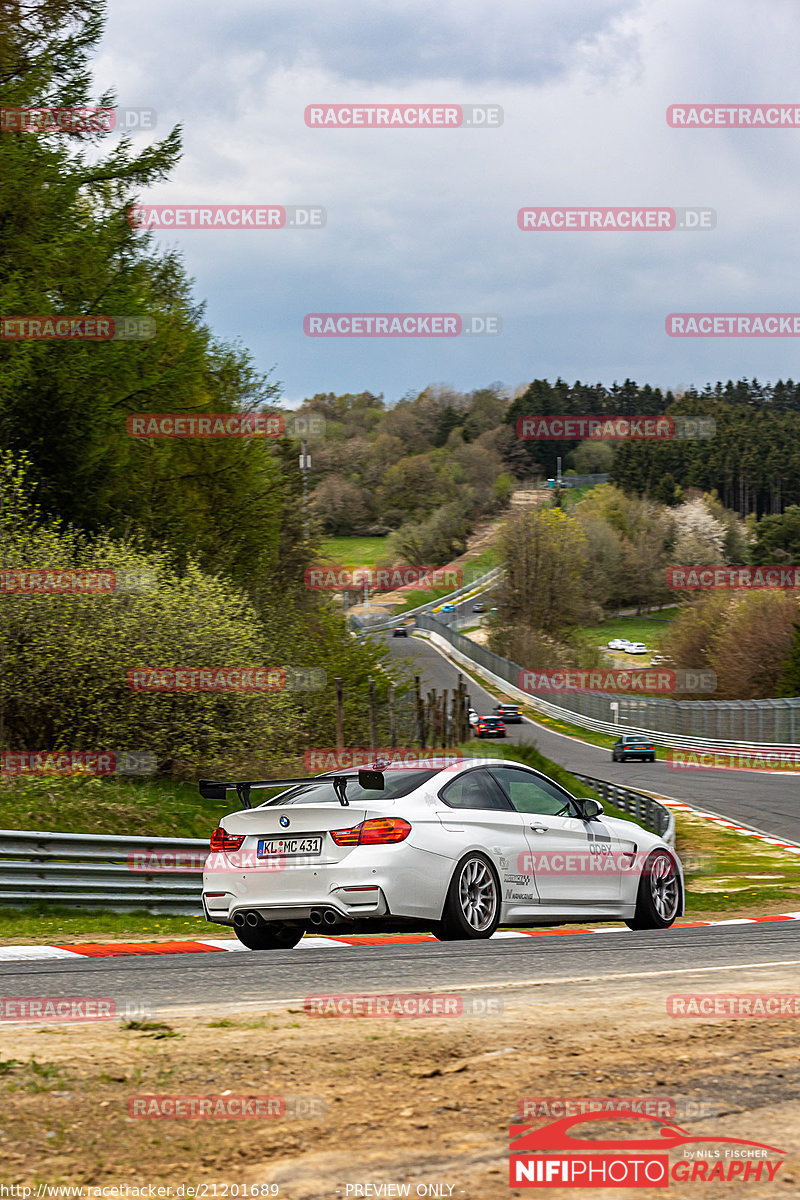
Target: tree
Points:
(546, 560)
(699, 536)
(777, 538)
(590, 458)
(339, 506)
(67, 248)
(789, 680)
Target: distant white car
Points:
(473, 717)
(459, 850)
(636, 648)
(618, 644)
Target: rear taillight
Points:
(226, 842)
(378, 831)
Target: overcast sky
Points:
(426, 220)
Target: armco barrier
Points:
(653, 816)
(363, 624)
(89, 871)
(725, 725)
(81, 870)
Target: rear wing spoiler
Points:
(214, 789)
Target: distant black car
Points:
(509, 713)
(491, 727)
(632, 746)
(479, 608)
(400, 631)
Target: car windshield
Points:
(396, 784)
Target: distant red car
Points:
(491, 727)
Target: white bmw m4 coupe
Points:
(457, 850)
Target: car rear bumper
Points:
(373, 882)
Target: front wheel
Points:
(269, 936)
(472, 907)
(659, 895)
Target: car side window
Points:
(530, 794)
(475, 789)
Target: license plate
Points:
(289, 847)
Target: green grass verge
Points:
(54, 925)
(82, 804)
(353, 551)
(479, 565)
(635, 629)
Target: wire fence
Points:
(751, 722)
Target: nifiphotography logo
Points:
(565, 1154)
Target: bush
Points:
(67, 657)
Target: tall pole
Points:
(339, 715)
(305, 466)
(392, 735)
(373, 734)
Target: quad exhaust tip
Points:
(241, 919)
(324, 916)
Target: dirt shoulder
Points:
(395, 1101)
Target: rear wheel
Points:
(273, 935)
(659, 895)
(472, 907)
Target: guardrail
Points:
(653, 815)
(89, 871)
(677, 718)
(383, 622)
(86, 871)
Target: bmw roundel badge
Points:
(284, 822)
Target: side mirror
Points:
(591, 809)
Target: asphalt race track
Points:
(761, 800)
(515, 966)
